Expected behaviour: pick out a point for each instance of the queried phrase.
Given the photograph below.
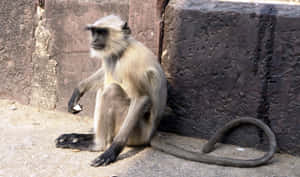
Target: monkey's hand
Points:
(109, 156)
(73, 107)
(104, 159)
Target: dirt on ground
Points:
(28, 150)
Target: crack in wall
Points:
(266, 30)
(162, 26)
(44, 81)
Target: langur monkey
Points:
(131, 100)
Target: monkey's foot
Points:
(75, 141)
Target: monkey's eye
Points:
(101, 31)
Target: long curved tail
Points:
(158, 143)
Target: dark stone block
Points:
(224, 60)
(284, 85)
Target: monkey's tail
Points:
(159, 143)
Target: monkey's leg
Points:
(136, 110)
(110, 111)
(103, 120)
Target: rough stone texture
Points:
(145, 22)
(16, 45)
(225, 60)
(44, 82)
(284, 84)
(69, 45)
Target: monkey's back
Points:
(139, 70)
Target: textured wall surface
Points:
(145, 22)
(283, 92)
(16, 45)
(225, 60)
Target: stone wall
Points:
(16, 45)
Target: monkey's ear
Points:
(126, 28)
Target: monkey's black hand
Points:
(104, 159)
(109, 156)
(73, 107)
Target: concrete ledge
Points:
(28, 149)
(225, 60)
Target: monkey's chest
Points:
(122, 81)
(112, 79)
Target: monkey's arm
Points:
(95, 79)
(136, 110)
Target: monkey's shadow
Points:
(135, 150)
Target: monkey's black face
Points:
(99, 37)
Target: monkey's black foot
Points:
(104, 159)
(75, 141)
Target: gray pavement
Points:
(28, 150)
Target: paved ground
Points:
(27, 150)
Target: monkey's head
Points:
(109, 36)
